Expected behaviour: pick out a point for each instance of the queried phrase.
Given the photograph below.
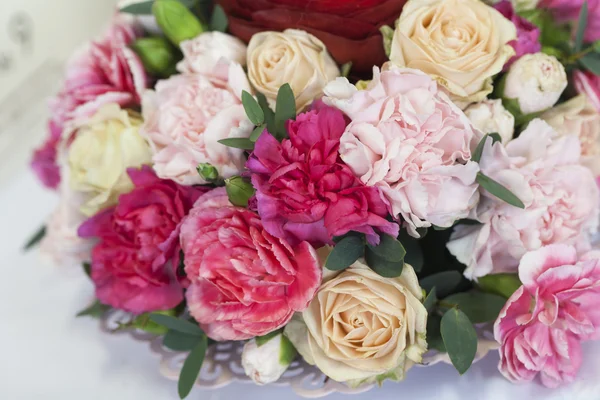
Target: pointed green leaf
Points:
(253, 111)
(218, 20)
(36, 238)
(238, 143)
(269, 114)
(581, 25)
(261, 340)
(345, 253)
(345, 69)
(95, 310)
(87, 268)
(460, 339)
(479, 150)
(285, 109)
(430, 300)
(496, 189)
(434, 336)
(191, 368)
(239, 190)
(143, 8)
(178, 341)
(591, 62)
(287, 351)
(478, 306)
(257, 132)
(177, 324)
(444, 282)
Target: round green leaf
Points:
(501, 284)
(478, 306)
(460, 339)
(176, 21)
(444, 282)
(389, 249)
(345, 253)
(383, 267)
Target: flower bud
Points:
(267, 362)
(239, 191)
(176, 21)
(208, 172)
(157, 55)
(536, 82)
(490, 116)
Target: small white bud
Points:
(490, 116)
(265, 364)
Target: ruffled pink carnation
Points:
(134, 264)
(588, 84)
(305, 192)
(541, 326)
(106, 71)
(568, 11)
(528, 34)
(409, 140)
(560, 196)
(244, 281)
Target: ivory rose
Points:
(209, 52)
(543, 322)
(362, 327)
(409, 140)
(560, 196)
(244, 281)
(186, 115)
(580, 118)
(292, 56)
(460, 43)
(490, 116)
(103, 147)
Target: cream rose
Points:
(293, 56)
(104, 147)
(490, 116)
(460, 43)
(579, 117)
(210, 52)
(361, 327)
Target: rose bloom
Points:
(543, 322)
(580, 118)
(134, 264)
(560, 196)
(568, 11)
(207, 53)
(305, 192)
(103, 147)
(408, 139)
(186, 115)
(293, 57)
(490, 116)
(362, 327)
(588, 84)
(528, 35)
(460, 43)
(106, 71)
(244, 281)
(349, 29)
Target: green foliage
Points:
(434, 334)
(431, 300)
(253, 110)
(591, 62)
(257, 132)
(287, 351)
(176, 324)
(478, 306)
(95, 310)
(238, 143)
(346, 251)
(501, 284)
(239, 191)
(499, 191)
(191, 368)
(178, 341)
(269, 114)
(261, 340)
(208, 172)
(460, 339)
(414, 253)
(176, 21)
(36, 238)
(581, 25)
(218, 19)
(157, 54)
(479, 150)
(87, 268)
(387, 258)
(285, 109)
(445, 282)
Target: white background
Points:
(46, 353)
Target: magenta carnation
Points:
(305, 192)
(43, 162)
(135, 261)
(244, 281)
(528, 34)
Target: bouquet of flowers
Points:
(355, 183)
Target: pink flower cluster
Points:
(543, 323)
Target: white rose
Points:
(267, 362)
(490, 116)
(211, 52)
(536, 81)
(293, 56)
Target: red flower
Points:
(349, 29)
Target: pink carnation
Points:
(588, 84)
(543, 322)
(106, 71)
(305, 192)
(134, 264)
(409, 140)
(560, 196)
(568, 11)
(528, 34)
(244, 281)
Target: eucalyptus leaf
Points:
(501, 284)
(191, 368)
(431, 300)
(218, 20)
(444, 282)
(434, 335)
(496, 189)
(177, 324)
(345, 253)
(144, 323)
(36, 238)
(460, 339)
(285, 110)
(414, 253)
(143, 8)
(591, 62)
(581, 25)
(478, 306)
(178, 341)
(253, 111)
(383, 267)
(389, 248)
(238, 143)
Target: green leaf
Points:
(261, 340)
(176, 21)
(257, 132)
(238, 143)
(239, 191)
(218, 20)
(269, 114)
(581, 25)
(389, 248)
(387, 32)
(434, 336)
(287, 351)
(414, 253)
(460, 339)
(501, 284)
(345, 69)
(178, 341)
(176, 324)
(87, 268)
(253, 111)
(285, 109)
(496, 189)
(191, 368)
(383, 267)
(36, 238)
(591, 62)
(144, 323)
(95, 310)
(143, 8)
(430, 300)
(157, 55)
(479, 150)
(479, 307)
(444, 282)
(345, 253)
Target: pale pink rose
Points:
(210, 52)
(185, 117)
(408, 139)
(244, 281)
(560, 195)
(589, 84)
(543, 322)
